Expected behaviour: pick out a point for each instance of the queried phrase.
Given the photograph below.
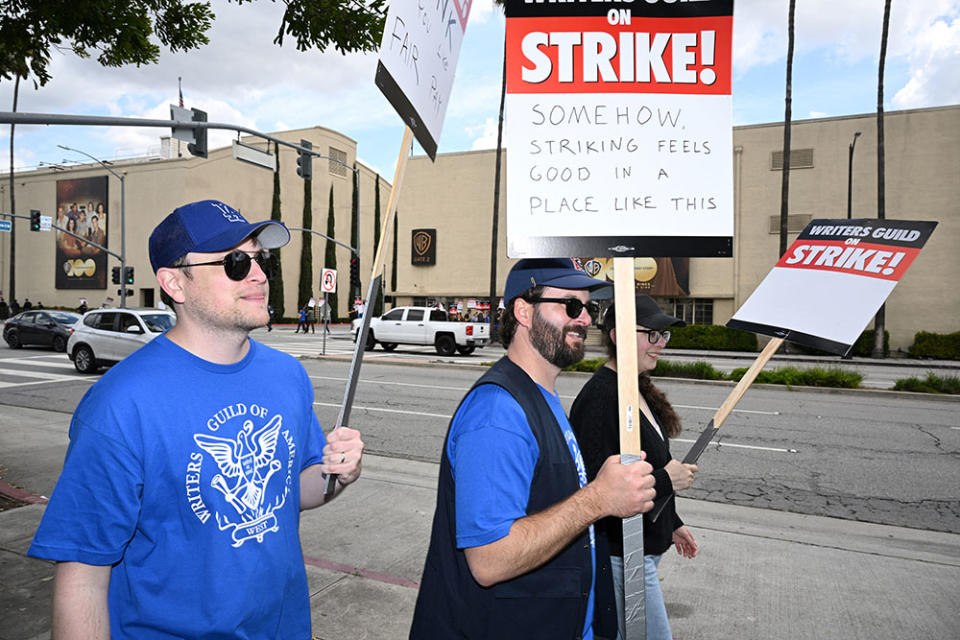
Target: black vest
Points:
(549, 602)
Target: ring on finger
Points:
(343, 457)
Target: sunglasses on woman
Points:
(237, 264)
(573, 306)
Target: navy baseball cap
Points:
(548, 272)
(649, 315)
(206, 227)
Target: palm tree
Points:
(879, 327)
(496, 189)
(785, 184)
(276, 285)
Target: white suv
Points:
(107, 336)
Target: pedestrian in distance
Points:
(177, 511)
(512, 551)
(595, 420)
(301, 320)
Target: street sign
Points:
(328, 281)
(45, 222)
(6, 225)
(246, 153)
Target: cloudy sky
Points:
(242, 78)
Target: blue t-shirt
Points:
(493, 454)
(184, 475)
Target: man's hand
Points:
(342, 455)
(681, 475)
(625, 489)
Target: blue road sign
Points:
(6, 225)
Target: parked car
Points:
(45, 327)
(425, 326)
(107, 336)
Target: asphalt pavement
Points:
(760, 573)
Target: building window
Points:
(338, 162)
(799, 159)
(796, 222)
(690, 310)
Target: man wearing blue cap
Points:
(512, 553)
(177, 511)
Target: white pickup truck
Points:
(425, 326)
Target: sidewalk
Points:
(760, 573)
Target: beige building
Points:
(455, 197)
(452, 200)
(157, 185)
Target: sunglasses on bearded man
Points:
(573, 306)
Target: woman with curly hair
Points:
(595, 421)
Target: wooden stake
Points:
(628, 396)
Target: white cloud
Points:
(933, 68)
(485, 135)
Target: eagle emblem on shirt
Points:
(246, 464)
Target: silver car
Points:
(107, 336)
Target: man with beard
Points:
(512, 552)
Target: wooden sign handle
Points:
(628, 393)
(745, 382)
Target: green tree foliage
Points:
(378, 302)
(330, 261)
(355, 285)
(122, 32)
(276, 285)
(393, 268)
(305, 284)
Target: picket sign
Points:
(353, 375)
(725, 409)
(628, 402)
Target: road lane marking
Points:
(409, 413)
(563, 397)
(740, 446)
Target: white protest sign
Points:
(619, 126)
(418, 60)
(831, 281)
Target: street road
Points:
(865, 456)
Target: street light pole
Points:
(850, 176)
(123, 222)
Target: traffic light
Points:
(199, 146)
(354, 273)
(305, 161)
(34, 220)
(115, 279)
(128, 275)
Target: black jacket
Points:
(594, 418)
(548, 602)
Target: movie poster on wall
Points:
(81, 209)
(619, 127)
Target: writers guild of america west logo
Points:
(239, 469)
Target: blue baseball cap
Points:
(206, 227)
(548, 272)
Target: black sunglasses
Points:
(237, 264)
(574, 306)
(654, 335)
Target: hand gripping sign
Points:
(822, 293)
